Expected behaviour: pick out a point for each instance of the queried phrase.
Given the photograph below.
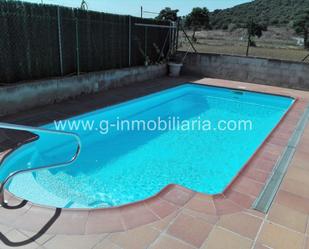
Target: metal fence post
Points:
(60, 40)
(170, 38)
(146, 38)
(177, 35)
(130, 41)
(77, 46)
(174, 37)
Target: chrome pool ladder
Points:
(35, 131)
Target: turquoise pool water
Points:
(121, 167)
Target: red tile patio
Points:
(178, 217)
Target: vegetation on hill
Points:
(269, 12)
(254, 16)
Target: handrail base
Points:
(3, 202)
(2, 197)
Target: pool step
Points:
(38, 194)
(34, 191)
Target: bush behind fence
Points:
(39, 41)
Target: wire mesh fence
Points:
(276, 43)
(40, 41)
(150, 43)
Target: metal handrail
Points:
(52, 166)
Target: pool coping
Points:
(132, 215)
(267, 195)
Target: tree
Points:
(254, 30)
(301, 26)
(198, 19)
(84, 5)
(167, 14)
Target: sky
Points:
(132, 7)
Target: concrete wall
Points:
(248, 69)
(32, 94)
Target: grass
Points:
(276, 43)
(274, 53)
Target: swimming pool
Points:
(120, 166)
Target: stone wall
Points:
(248, 69)
(32, 94)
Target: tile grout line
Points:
(266, 216)
(177, 239)
(306, 239)
(164, 231)
(286, 228)
(204, 244)
(279, 225)
(106, 238)
(100, 240)
(85, 224)
(239, 235)
(35, 241)
(251, 179)
(225, 229)
(259, 231)
(197, 214)
(263, 201)
(151, 211)
(253, 215)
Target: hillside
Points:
(271, 12)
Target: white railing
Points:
(36, 131)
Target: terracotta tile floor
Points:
(180, 219)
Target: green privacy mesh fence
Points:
(40, 41)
